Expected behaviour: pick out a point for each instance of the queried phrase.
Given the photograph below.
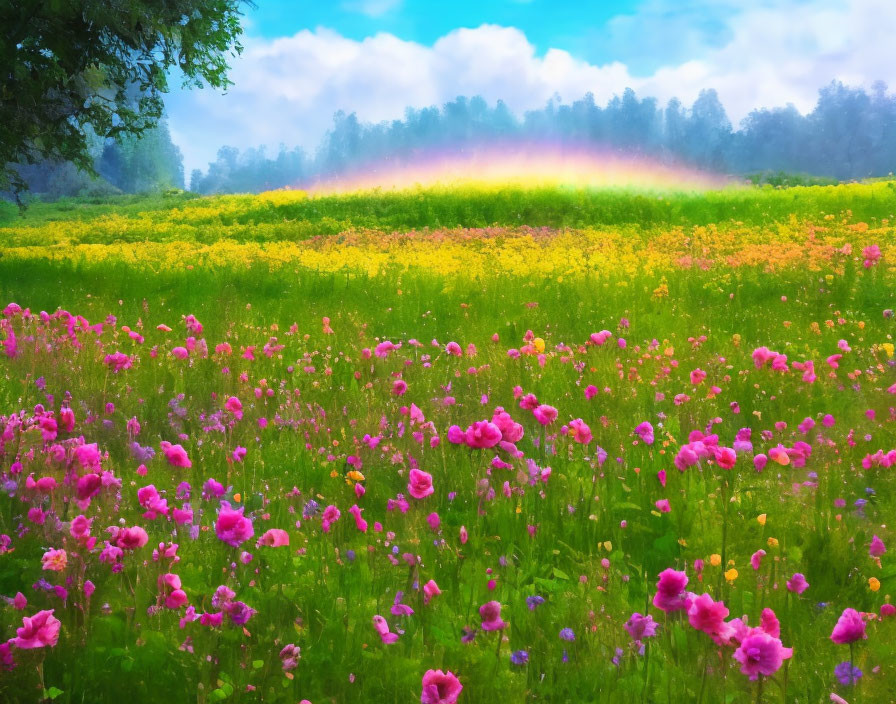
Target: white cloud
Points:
(286, 90)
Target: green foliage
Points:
(70, 64)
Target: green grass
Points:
(314, 595)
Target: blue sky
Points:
(305, 60)
(586, 29)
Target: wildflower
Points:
(670, 591)
(545, 414)
(275, 537)
(519, 658)
(38, 631)
(420, 484)
(290, 656)
(440, 688)
(55, 560)
(761, 654)
(176, 455)
(382, 627)
(232, 527)
(797, 583)
(877, 547)
(330, 515)
(873, 584)
(640, 627)
(490, 612)
(707, 615)
(430, 590)
(847, 674)
(850, 628)
(534, 601)
(567, 634)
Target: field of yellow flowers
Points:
(449, 445)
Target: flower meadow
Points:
(449, 458)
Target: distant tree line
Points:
(850, 134)
(130, 164)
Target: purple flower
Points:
(567, 634)
(519, 657)
(534, 602)
(846, 673)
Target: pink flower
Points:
(726, 458)
(330, 515)
(399, 387)
(663, 506)
(55, 560)
(235, 406)
(580, 432)
(19, 601)
(797, 583)
(170, 587)
(756, 559)
(482, 434)
(761, 654)
(39, 631)
(850, 628)
(232, 527)
(382, 627)
(670, 591)
(430, 590)
(545, 414)
(360, 523)
(440, 688)
(640, 627)
(131, 538)
(707, 615)
(176, 455)
(645, 432)
(490, 612)
(420, 484)
(274, 538)
(877, 547)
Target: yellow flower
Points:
(539, 345)
(731, 575)
(773, 542)
(888, 348)
(237, 498)
(715, 559)
(761, 518)
(873, 583)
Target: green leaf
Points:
(219, 694)
(257, 664)
(52, 693)
(560, 574)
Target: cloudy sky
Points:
(306, 59)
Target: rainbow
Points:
(528, 165)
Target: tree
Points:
(70, 65)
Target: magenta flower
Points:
(645, 432)
(877, 547)
(797, 583)
(640, 627)
(850, 628)
(490, 612)
(482, 435)
(440, 688)
(330, 515)
(232, 527)
(430, 590)
(707, 615)
(382, 627)
(761, 654)
(38, 631)
(176, 455)
(580, 432)
(670, 591)
(419, 484)
(545, 414)
(756, 559)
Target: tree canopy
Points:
(74, 70)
